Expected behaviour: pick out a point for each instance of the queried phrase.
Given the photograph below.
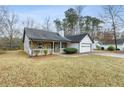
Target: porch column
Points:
(60, 46)
(53, 47)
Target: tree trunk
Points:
(115, 39)
(10, 42)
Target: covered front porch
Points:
(38, 47)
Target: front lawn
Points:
(16, 69)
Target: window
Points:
(63, 45)
(40, 45)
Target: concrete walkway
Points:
(110, 54)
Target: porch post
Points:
(53, 47)
(60, 46)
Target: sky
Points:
(40, 12)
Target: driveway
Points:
(110, 54)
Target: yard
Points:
(16, 69)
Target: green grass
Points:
(16, 69)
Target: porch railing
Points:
(41, 51)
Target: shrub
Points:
(36, 52)
(45, 52)
(70, 50)
(111, 48)
(118, 49)
(98, 47)
(102, 48)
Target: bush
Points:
(36, 52)
(98, 47)
(111, 48)
(118, 49)
(45, 52)
(70, 50)
(102, 48)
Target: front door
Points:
(56, 47)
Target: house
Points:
(97, 44)
(120, 44)
(40, 40)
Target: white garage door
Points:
(85, 47)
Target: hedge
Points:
(70, 50)
(111, 48)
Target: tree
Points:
(3, 15)
(47, 24)
(65, 26)
(29, 22)
(88, 21)
(11, 30)
(95, 22)
(79, 10)
(71, 19)
(8, 25)
(58, 25)
(113, 14)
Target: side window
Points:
(63, 45)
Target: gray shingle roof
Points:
(36, 34)
(77, 38)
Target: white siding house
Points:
(97, 43)
(120, 44)
(35, 39)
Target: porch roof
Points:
(36, 34)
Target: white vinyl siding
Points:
(86, 45)
(73, 45)
(120, 46)
(27, 45)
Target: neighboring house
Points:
(39, 40)
(97, 44)
(120, 44)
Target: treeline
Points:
(75, 23)
(9, 31)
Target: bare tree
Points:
(46, 25)
(8, 25)
(113, 15)
(3, 15)
(29, 22)
(79, 10)
(10, 28)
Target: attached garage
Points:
(85, 47)
(82, 42)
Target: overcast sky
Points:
(39, 13)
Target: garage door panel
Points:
(85, 47)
